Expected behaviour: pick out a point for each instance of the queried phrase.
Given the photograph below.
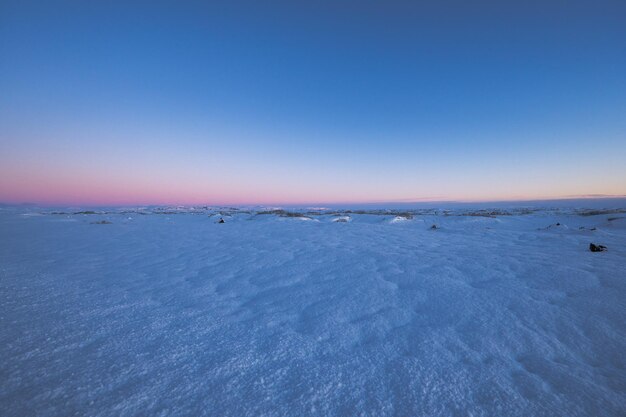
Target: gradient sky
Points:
(106, 102)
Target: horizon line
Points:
(321, 204)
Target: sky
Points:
(200, 102)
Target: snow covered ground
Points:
(167, 312)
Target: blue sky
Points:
(286, 102)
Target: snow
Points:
(399, 219)
(167, 312)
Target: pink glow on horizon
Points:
(94, 192)
(136, 176)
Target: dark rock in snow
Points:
(596, 248)
(434, 227)
(221, 220)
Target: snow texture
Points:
(167, 312)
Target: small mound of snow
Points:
(31, 214)
(342, 219)
(398, 219)
(305, 218)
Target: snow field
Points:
(175, 314)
